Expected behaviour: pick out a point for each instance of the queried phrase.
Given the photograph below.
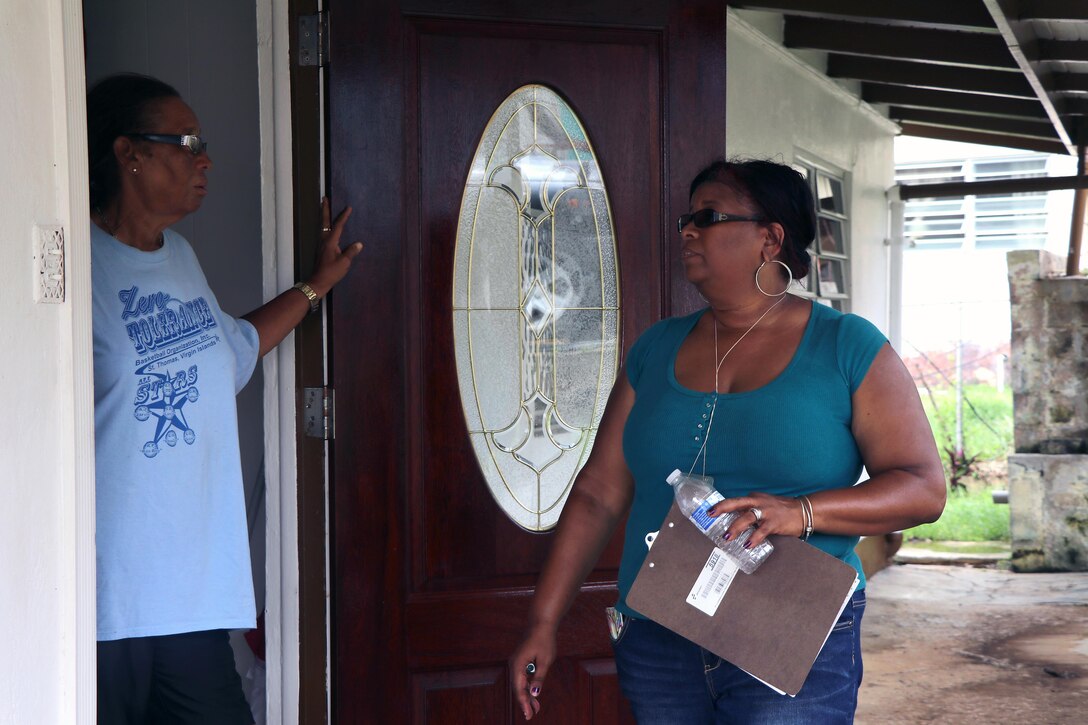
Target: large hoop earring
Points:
(788, 284)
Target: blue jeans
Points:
(670, 681)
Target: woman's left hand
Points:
(769, 514)
(333, 262)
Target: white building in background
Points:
(955, 283)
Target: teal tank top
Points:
(790, 437)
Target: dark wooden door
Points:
(430, 580)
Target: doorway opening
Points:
(231, 63)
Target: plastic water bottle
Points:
(695, 495)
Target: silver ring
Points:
(326, 230)
(757, 513)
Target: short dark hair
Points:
(117, 105)
(779, 193)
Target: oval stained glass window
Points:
(535, 303)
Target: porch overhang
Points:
(999, 72)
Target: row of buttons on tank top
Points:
(702, 422)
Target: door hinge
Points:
(313, 39)
(319, 413)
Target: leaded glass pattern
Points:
(535, 303)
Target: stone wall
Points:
(1048, 496)
(1048, 474)
(1049, 354)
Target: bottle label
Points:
(700, 517)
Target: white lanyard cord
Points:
(717, 368)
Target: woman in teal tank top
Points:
(783, 402)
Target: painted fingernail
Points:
(534, 690)
(726, 536)
(748, 544)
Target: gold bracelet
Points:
(315, 301)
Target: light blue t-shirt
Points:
(790, 437)
(172, 540)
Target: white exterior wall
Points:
(46, 452)
(778, 107)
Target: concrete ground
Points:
(976, 644)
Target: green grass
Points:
(988, 440)
(967, 547)
(968, 516)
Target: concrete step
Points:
(953, 552)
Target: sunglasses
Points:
(195, 144)
(705, 217)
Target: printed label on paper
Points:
(713, 583)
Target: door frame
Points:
(295, 568)
(78, 604)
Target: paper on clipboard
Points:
(772, 623)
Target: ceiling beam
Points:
(1071, 82)
(1074, 106)
(982, 50)
(929, 75)
(999, 186)
(953, 15)
(987, 139)
(1023, 44)
(1058, 10)
(971, 122)
(1066, 51)
(952, 101)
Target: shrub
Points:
(987, 427)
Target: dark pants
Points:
(170, 679)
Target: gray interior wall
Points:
(208, 51)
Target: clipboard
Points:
(771, 623)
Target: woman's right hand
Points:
(538, 648)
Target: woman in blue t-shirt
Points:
(172, 548)
(783, 402)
